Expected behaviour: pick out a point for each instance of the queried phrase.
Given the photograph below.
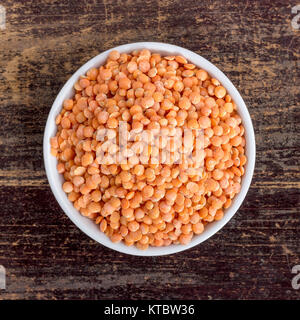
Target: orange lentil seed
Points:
(149, 203)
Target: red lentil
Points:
(151, 204)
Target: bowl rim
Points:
(78, 219)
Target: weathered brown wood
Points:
(45, 255)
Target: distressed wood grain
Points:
(45, 255)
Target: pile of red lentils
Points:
(150, 203)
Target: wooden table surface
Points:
(45, 255)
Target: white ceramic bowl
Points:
(56, 179)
